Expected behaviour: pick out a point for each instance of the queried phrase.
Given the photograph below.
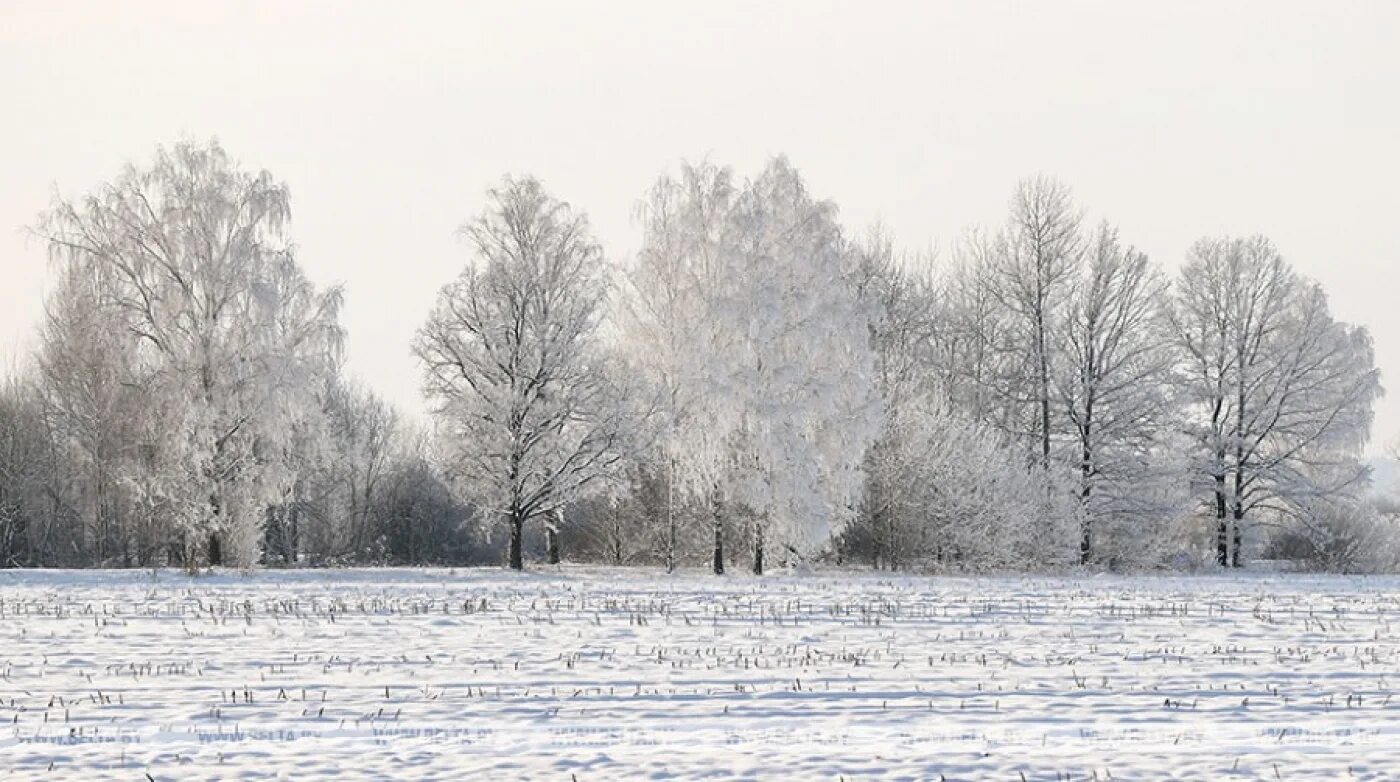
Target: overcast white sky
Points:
(389, 120)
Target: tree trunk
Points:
(1044, 414)
(1222, 524)
(671, 548)
(758, 549)
(1086, 541)
(551, 536)
(1238, 511)
(182, 552)
(1239, 460)
(216, 550)
(876, 536)
(293, 535)
(517, 524)
(718, 507)
(1085, 538)
(1086, 474)
(617, 540)
(884, 534)
(1044, 361)
(517, 513)
(671, 516)
(1238, 535)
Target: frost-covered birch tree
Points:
(93, 395)
(191, 254)
(784, 370)
(802, 406)
(668, 334)
(513, 362)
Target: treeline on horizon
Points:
(758, 386)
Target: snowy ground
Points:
(597, 674)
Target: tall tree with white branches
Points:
(1282, 393)
(668, 333)
(1114, 384)
(781, 366)
(513, 362)
(191, 254)
(1030, 272)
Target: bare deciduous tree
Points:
(1114, 381)
(1282, 392)
(513, 361)
(1030, 274)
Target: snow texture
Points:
(594, 674)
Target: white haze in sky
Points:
(390, 120)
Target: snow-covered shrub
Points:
(1343, 537)
(959, 495)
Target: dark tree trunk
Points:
(1239, 462)
(719, 533)
(719, 549)
(517, 558)
(671, 546)
(617, 540)
(551, 536)
(1086, 551)
(214, 550)
(875, 535)
(1044, 371)
(671, 516)
(1086, 473)
(294, 536)
(125, 543)
(1222, 524)
(1239, 536)
(758, 550)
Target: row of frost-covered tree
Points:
(756, 385)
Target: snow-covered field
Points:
(598, 674)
